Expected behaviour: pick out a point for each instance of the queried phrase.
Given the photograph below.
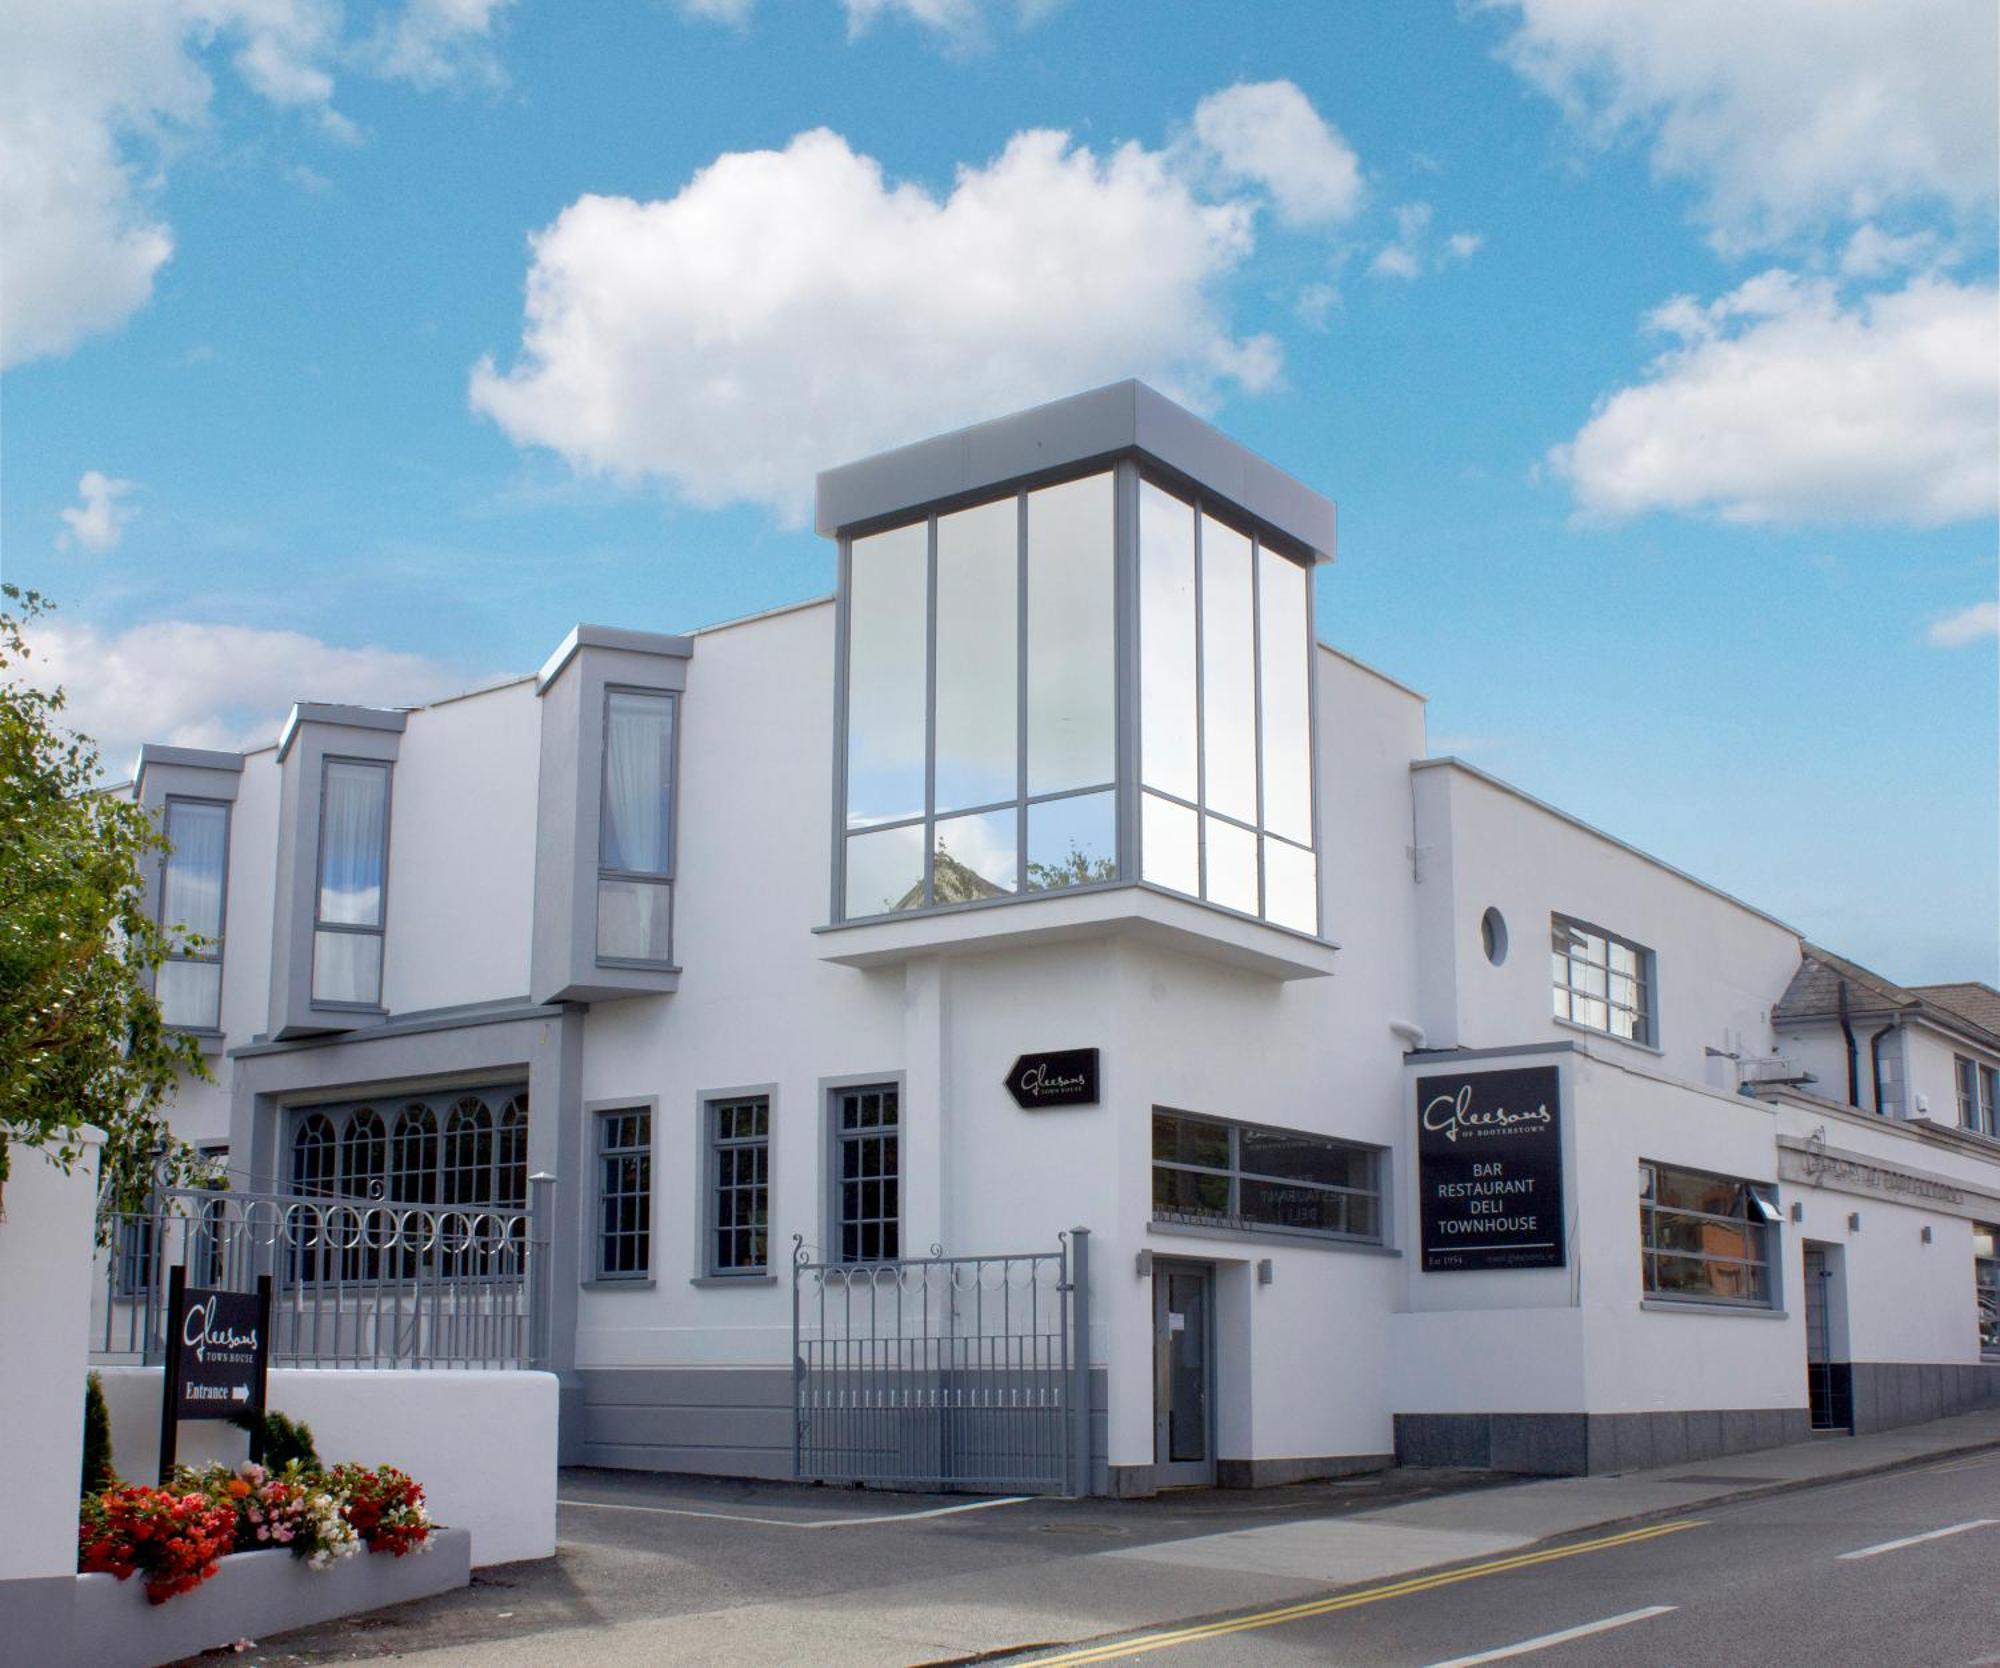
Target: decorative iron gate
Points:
(964, 1373)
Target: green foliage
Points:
(1076, 869)
(284, 1440)
(97, 1472)
(81, 1041)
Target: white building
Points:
(748, 938)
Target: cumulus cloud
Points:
(1787, 114)
(796, 308)
(202, 685)
(1968, 625)
(1267, 133)
(97, 521)
(434, 43)
(98, 96)
(1781, 403)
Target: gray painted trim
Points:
(829, 1147)
(1673, 1306)
(1432, 1056)
(1579, 1444)
(592, 1223)
(1125, 418)
(610, 637)
(1449, 762)
(704, 1170)
(395, 720)
(501, 1012)
(155, 754)
(1254, 1236)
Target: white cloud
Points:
(792, 309)
(1403, 258)
(98, 520)
(202, 685)
(1462, 246)
(1873, 253)
(1968, 625)
(1781, 403)
(962, 22)
(1785, 114)
(434, 43)
(1267, 133)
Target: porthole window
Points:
(1493, 936)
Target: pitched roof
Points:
(1814, 994)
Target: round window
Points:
(1493, 936)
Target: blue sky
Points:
(1650, 353)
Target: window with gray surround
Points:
(635, 829)
(194, 880)
(739, 1185)
(352, 893)
(1602, 981)
(1706, 1238)
(867, 1186)
(625, 1194)
(1978, 1096)
(454, 1147)
(1212, 1173)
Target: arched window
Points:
(511, 1161)
(364, 1154)
(414, 1180)
(468, 1153)
(313, 1155)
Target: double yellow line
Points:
(1145, 1642)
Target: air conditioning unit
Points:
(1773, 1068)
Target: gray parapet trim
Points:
(503, 1012)
(153, 754)
(611, 637)
(1445, 1056)
(1124, 419)
(394, 719)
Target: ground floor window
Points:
(1706, 1238)
(455, 1147)
(867, 1201)
(1986, 1282)
(1211, 1173)
(625, 1193)
(739, 1228)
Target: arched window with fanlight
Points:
(413, 1181)
(468, 1153)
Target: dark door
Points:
(1183, 1375)
(1829, 1384)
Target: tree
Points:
(81, 1038)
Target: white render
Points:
(1193, 1009)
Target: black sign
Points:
(1067, 1077)
(1490, 1169)
(218, 1356)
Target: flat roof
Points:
(1124, 419)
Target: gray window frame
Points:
(710, 1170)
(1978, 1088)
(1761, 1214)
(600, 1197)
(831, 1089)
(1986, 1286)
(228, 809)
(380, 931)
(668, 878)
(1234, 1221)
(1647, 1033)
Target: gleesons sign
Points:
(1489, 1169)
(1067, 1077)
(222, 1353)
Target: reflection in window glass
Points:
(1167, 632)
(978, 592)
(887, 600)
(1228, 673)
(1285, 676)
(974, 857)
(1073, 841)
(354, 843)
(190, 994)
(1249, 1178)
(1072, 663)
(885, 871)
(192, 877)
(1170, 841)
(633, 836)
(1705, 1237)
(1232, 865)
(1291, 886)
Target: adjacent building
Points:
(839, 964)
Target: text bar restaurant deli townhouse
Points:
(1040, 1019)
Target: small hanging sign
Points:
(1066, 1077)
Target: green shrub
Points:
(284, 1440)
(97, 1472)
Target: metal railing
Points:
(355, 1282)
(942, 1372)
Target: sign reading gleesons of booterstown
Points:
(1067, 1077)
(222, 1354)
(1489, 1169)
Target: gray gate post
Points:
(539, 1284)
(1079, 1361)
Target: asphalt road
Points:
(1898, 1571)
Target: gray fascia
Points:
(610, 637)
(156, 759)
(340, 717)
(1126, 419)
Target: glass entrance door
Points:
(1829, 1383)
(1183, 1375)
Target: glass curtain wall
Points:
(982, 702)
(1225, 703)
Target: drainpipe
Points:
(1853, 1055)
(1875, 1062)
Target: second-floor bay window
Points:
(635, 829)
(194, 876)
(352, 895)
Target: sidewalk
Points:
(1029, 1576)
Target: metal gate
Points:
(943, 1372)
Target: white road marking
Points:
(1918, 1540)
(1543, 1641)
(794, 1523)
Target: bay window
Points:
(349, 911)
(194, 876)
(635, 829)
